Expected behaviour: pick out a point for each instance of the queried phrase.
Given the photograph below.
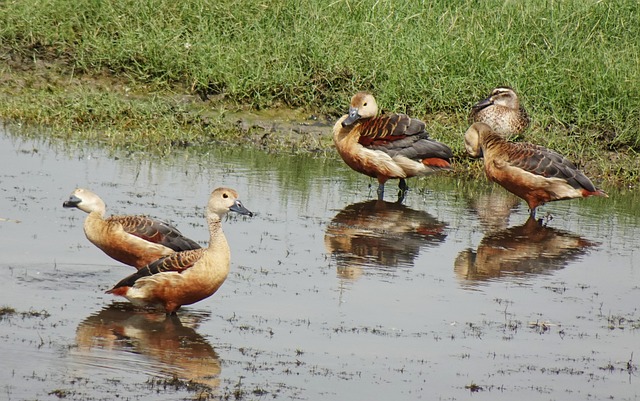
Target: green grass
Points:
(575, 63)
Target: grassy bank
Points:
(576, 65)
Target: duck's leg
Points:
(403, 185)
(403, 190)
(381, 191)
(173, 318)
(401, 196)
(171, 308)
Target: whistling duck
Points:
(186, 277)
(531, 172)
(132, 240)
(501, 110)
(387, 146)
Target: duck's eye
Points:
(364, 104)
(225, 195)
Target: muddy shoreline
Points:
(158, 118)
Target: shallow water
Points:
(451, 296)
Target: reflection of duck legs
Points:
(493, 208)
(380, 233)
(173, 346)
(529, 248)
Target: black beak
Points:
(73, 201)
(482, 104)
(240, 209)
(352, 117)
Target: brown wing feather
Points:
(547, 163)
(398, 134)
(156, 231)
(389, 127)
(176, 262)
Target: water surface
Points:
(452, 295)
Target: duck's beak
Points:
(73, 201)
(240, 209)
(352, 117)
(483, 103)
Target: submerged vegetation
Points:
(7, 311)
(150, 75)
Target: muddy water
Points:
(451, 296)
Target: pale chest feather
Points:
(503, 120)
(191, 285)
(212, 268)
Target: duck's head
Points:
(85, 200)
(363, 105)
(224, 200)
(500, 96)
(473, 138)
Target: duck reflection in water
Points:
(377, 233)
(171, 343)
(494, 208)
(532, 248)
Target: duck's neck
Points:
(341, 135)
(491, 140)
(94, 217)
(217, 240)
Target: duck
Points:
(186, 277)
(134, 240)
(531, 172)
(387, 146)
(502, 111)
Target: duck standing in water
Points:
(534, 173)
(387, 146)
(501, 110)
(186, 277)
(132, 240)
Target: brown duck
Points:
(534, 173)
(186, 277)
(387, 146)
(132, 240)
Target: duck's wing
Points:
(389, 128)
(399, 134)
(176, 262)
(547, 163)
(156, 231)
